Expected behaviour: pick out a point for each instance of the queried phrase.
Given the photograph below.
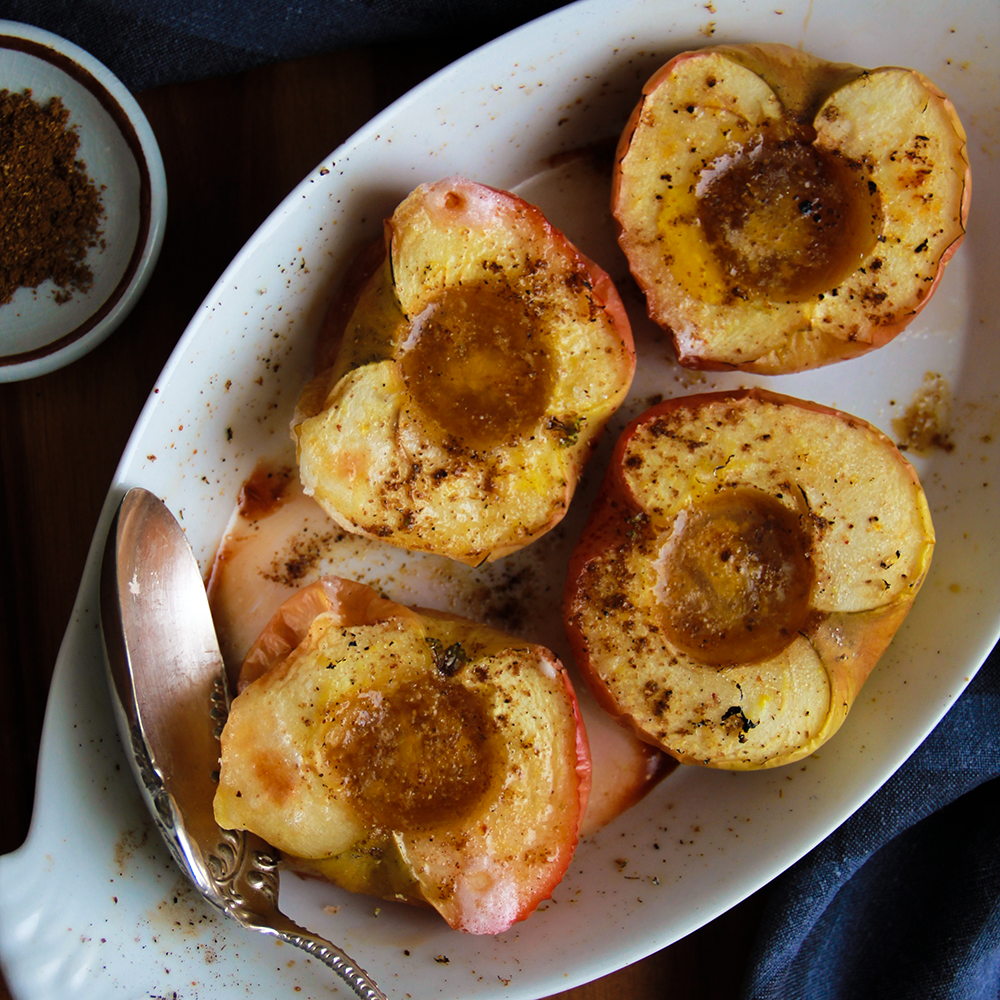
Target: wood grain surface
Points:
(232, 147)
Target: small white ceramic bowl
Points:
(37, 334)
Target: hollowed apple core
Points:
(734, 578)
(787, 220)
(423, 754)
(476, 361)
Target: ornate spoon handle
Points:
(244, 882)
(332, 956)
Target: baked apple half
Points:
(782, 212)
(747, 561)
(476, 358)
(407, 754)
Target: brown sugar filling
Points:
(424, 754)
(787, 220)
(477, 363)
(734, 578)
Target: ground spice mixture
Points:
(50, 209)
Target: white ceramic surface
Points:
(38, 334)
(91, 906)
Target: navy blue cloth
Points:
(146, 43)
(903, 901)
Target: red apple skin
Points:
(481, 877)
(462, 499)
(847, 644)
(802, 82)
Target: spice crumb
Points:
(50, 210)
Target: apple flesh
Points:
(746, 563)
(782, 212)
(476, 356)
(279, 541)
(408, 754)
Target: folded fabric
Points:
(902, 902)
(146, 43)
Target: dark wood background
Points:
(232, 147)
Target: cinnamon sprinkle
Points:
(50, 209)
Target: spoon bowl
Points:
(170, 699)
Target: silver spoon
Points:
(170, 697)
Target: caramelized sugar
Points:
(424, 755)
(265, 490)
(786, 220)
(476, 362)
(735, 578)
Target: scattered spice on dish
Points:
(50, 209)
(923, 426)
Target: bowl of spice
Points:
(83, 200)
